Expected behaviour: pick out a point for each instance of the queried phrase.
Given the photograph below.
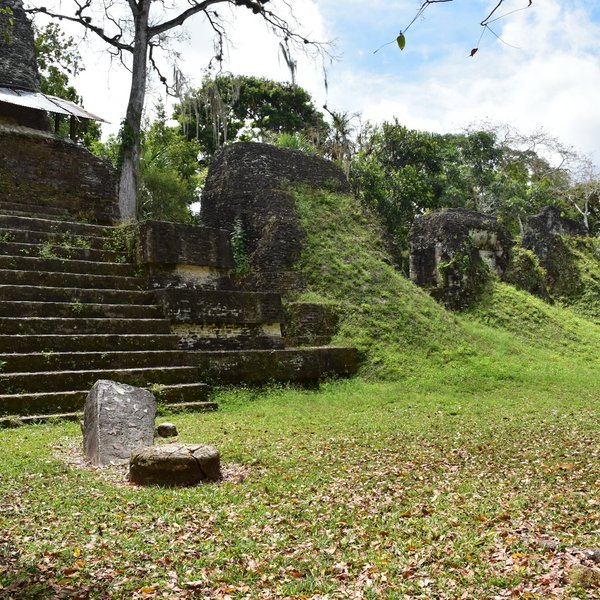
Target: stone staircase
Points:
(72, 312)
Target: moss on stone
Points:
(525, 273)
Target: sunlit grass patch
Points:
(375, 489)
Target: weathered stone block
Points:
(117, 419)
(245, 188)
(18, 65)
(304, 366)
(37, 167)
(544, 238)
(166, 430)
(188, 276)
(183, 305)
(163, 243)
(550, 222)
(452, 252)
(228, 336)
(308, 322)
(280, 282)
(174, 464)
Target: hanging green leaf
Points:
(401, 41)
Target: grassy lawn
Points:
(361, 489)
(469, 443)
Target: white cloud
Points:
(551, 82)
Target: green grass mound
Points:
(585, 255)
(402, 333)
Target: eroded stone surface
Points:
(18, 65)
(174, 464)
(38, 168)
(246, 188)
(452, 252)
(180, 244)
(544, 237)
(309, 322)
(117, 419)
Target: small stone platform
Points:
(174, 464)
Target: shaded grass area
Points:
(372, 489)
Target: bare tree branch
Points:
(87, 23)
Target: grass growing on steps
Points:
(370, 490)
(404, 334)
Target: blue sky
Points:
(549, 80)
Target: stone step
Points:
(193, 306)
(33, 209)
(45, 406)
(80, 361)
(305, 366)
(73, 326)
(26, 308)
(71, 252)
(48, 239)
(12, 222)
(14, 421)
(57, 381)
(70, 280)
(298, 341)
(183, 393)
(18, 421)
(200, 406)
(234, 342)
(37, 214)
(64, 265)
(87, 343)
(66, 294)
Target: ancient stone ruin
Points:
(453, 251)
(152, 305)
(246, 192)
(37, 167)
(174, 464)
(117, 419)
(18, 66)
(544, 237)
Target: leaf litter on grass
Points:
(344, 500)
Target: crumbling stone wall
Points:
(246, 188)
(37, 168)
(544, 238)
(453, 251)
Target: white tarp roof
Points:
(44, 102)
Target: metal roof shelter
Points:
(40, 101)
(21, 99)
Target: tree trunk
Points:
(131, 143)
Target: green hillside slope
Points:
(508, 337)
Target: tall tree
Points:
(228, 106)
(138, 28)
